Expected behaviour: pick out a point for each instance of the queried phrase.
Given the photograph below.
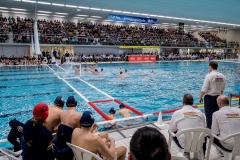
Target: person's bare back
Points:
(124, 112)
(71, 118)
(54, 117)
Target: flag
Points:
(36, 40)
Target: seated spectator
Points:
(71, 117)
(225, 122)
(36, 138)
(186, 118)
(148, 143)
(84, 138)
(54, 117)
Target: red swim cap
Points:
(40, 111)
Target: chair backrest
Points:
(194, 138)
(236, 148)
(83, 154)
(178, 158)
(10, 155)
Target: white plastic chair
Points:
(83, 154)
(236, 148)
(178, 158)
(11, 155)
(194, 139)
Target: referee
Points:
(214, 85)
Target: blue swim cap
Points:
(71, 101)
(121, 105)
(59, 101)
(112, 110)
(87, 119)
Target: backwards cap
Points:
(71, 101)
(40, 111)
(87, 119)
(59, 101)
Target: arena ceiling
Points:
(203, 14)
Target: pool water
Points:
(22, 87)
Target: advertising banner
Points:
(137, 58)
(124, 18)
(139, 47)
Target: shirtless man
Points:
(123, 111)
(95, 72)
(84, 138)
(85, 68)
(77, 70)
(121, 75)
(54, 114)
(71, 117)
(111, 115)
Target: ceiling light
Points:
(153, 15)
(234, 26)
(57, 4)
(3, 8)
(96, 16)
(144, 14)
(61, 13)
(43, 14)
(164, 17)
(206, 25)
(18, 9)
(107, 10)
(58, 16)
(83, 7)
(20, 12)
(95, 9)
(92, 19)
(48, 3)
(136, 13)
(3, 11)
(116, 11)
(126, 12)
(165, 23)
(29, 1)
(108, 20)
(44, 11)
(82, 15)
(196, 22)
(78, 17)
(72, 6)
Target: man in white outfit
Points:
(186, 118)
(225, 122)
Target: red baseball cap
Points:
(40, 111)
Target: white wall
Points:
(231, 35)
(13, 50)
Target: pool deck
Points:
(123, 137)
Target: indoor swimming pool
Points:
(22, 87)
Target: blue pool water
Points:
(21, 88)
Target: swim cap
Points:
(87, 119)
(112, 110)
(121, 105)
(40, 111)
(125, 70)
(71, 101)
(102, 69)
(96, 70)
(59, 101)
(121, 72)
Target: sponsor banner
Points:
(137, 58)
(124, 18)
(139, 47)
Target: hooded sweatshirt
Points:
(36, 142)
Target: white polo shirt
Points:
(186, 118)
(225, 122)
(214, 83)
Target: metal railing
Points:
(178, 41)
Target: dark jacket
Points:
(37, 142)
(15, 134)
